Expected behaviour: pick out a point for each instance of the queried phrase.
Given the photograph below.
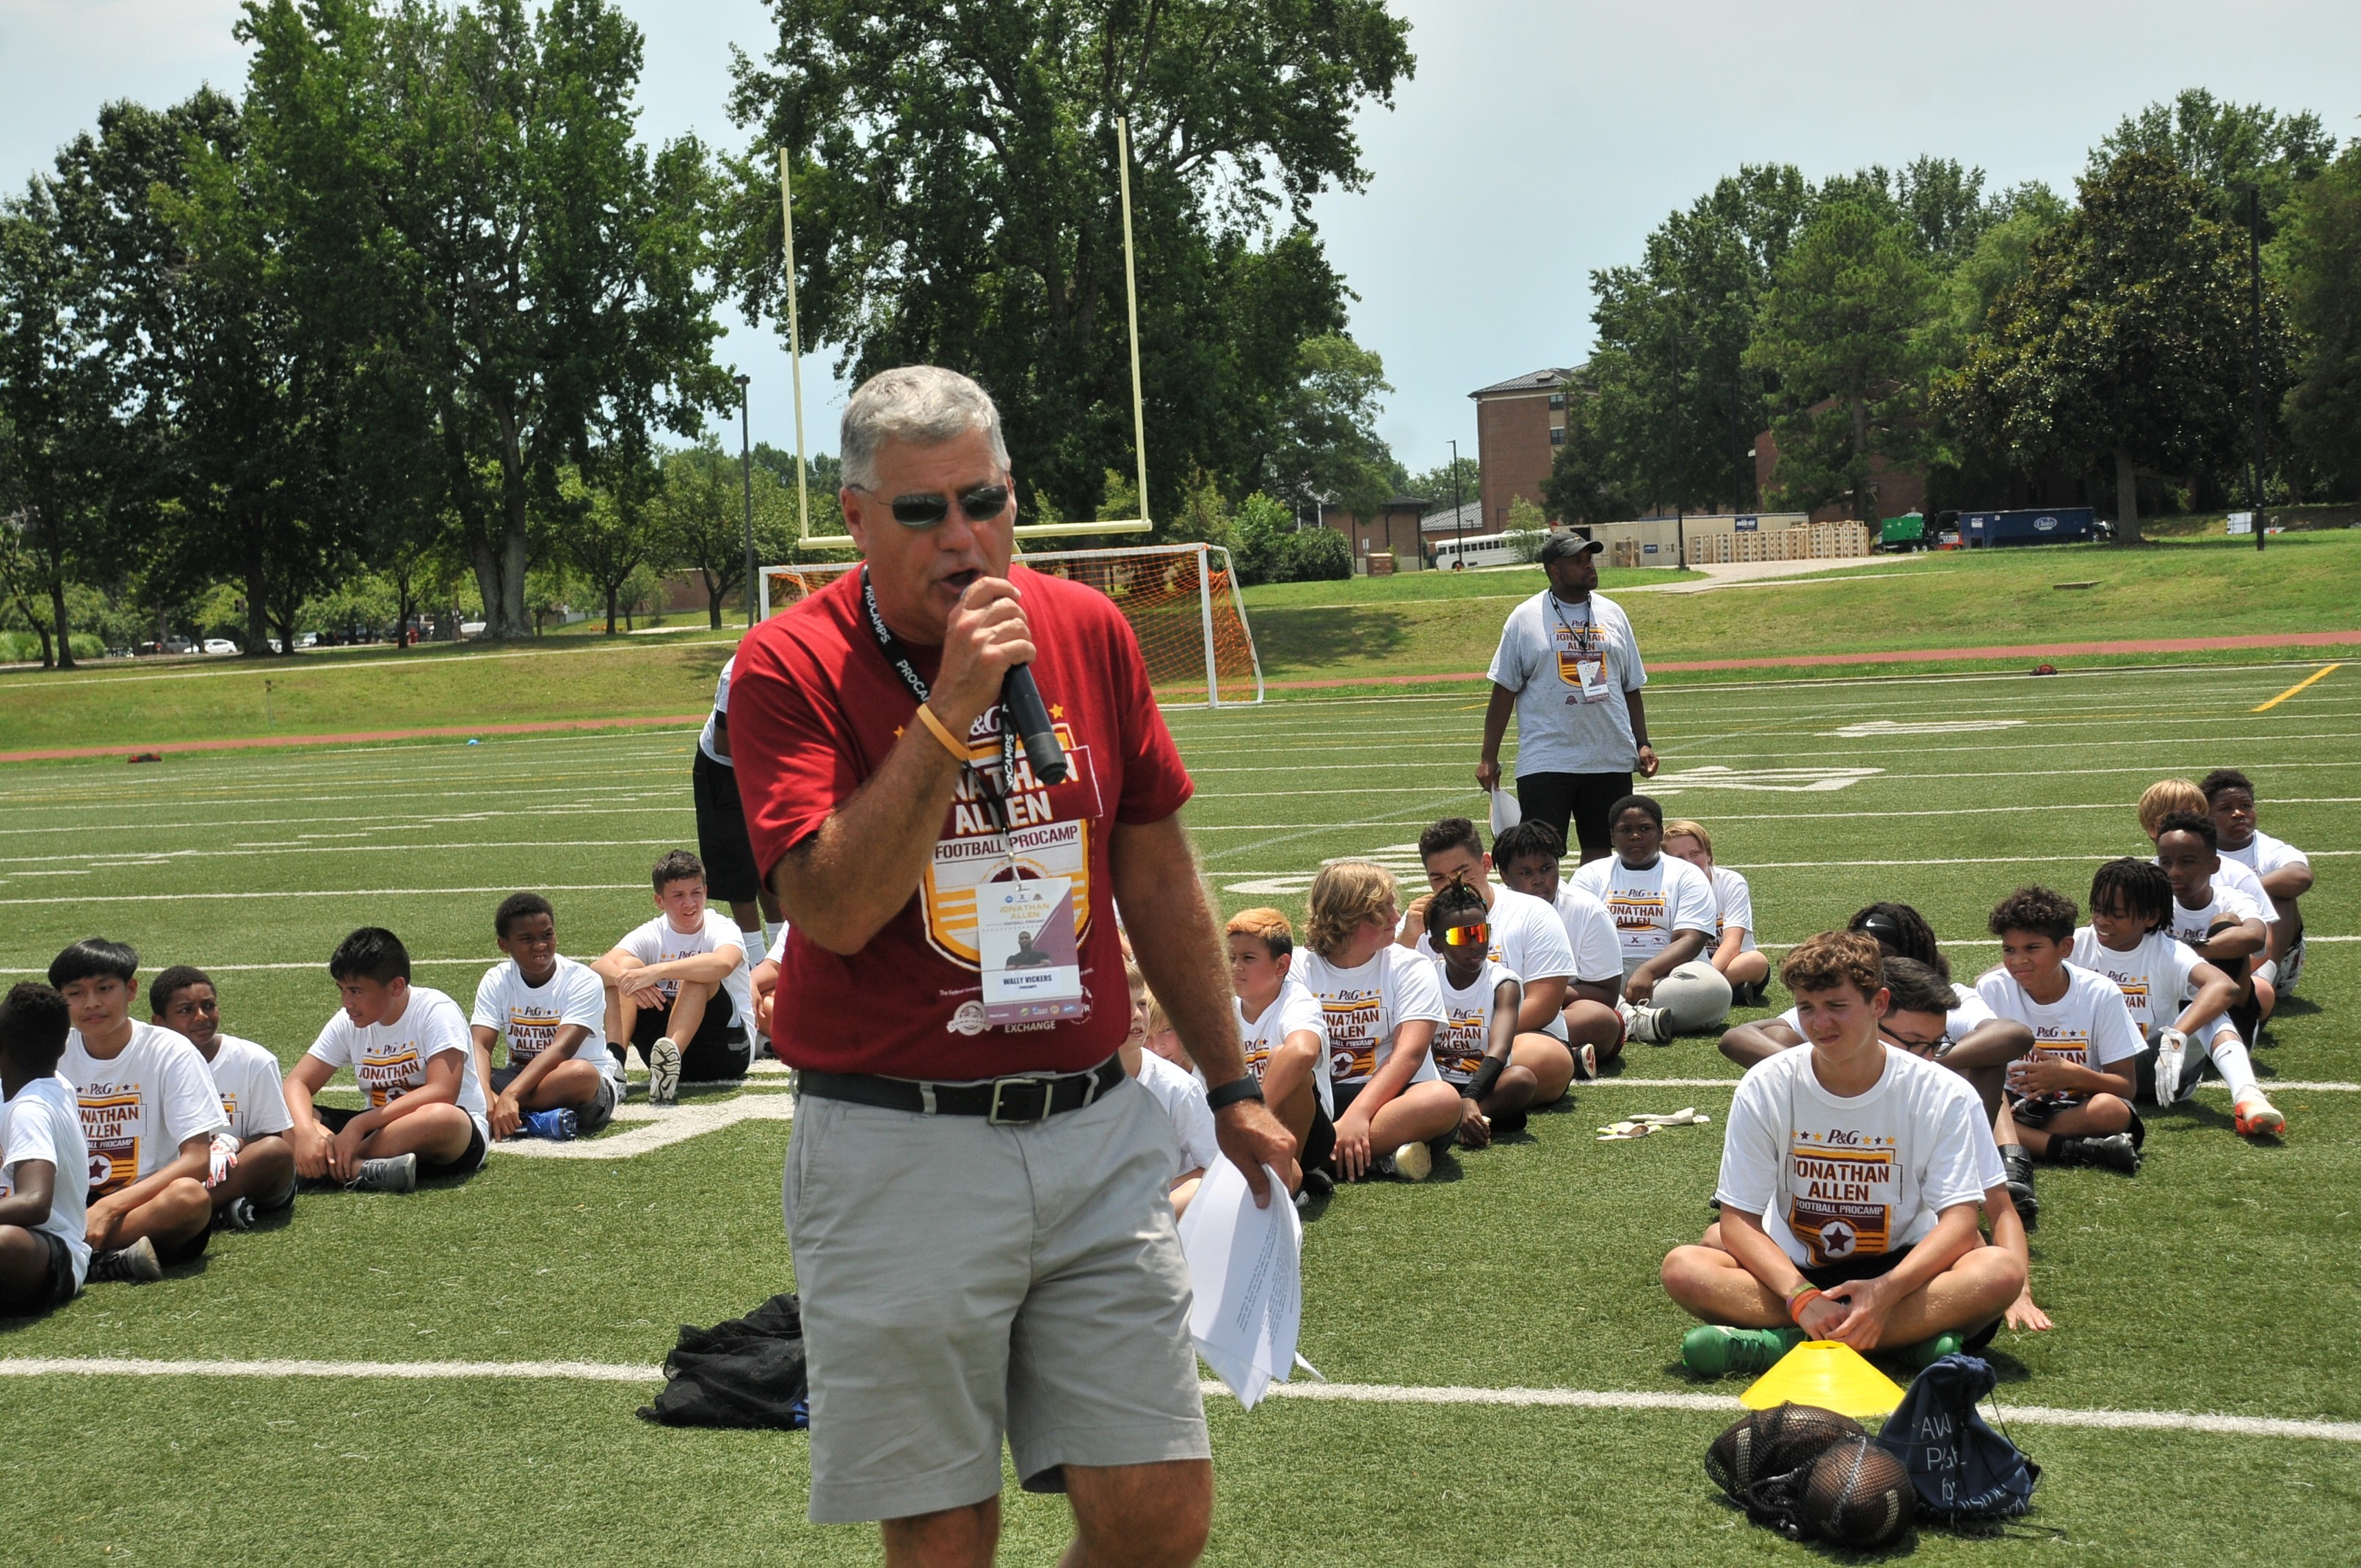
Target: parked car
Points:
(308, 639)
(220, 646)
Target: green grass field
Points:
(2218, 1283)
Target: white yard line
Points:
(650, 1129)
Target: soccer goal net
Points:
(1181, 600)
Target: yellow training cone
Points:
(1829, 1374)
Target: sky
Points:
(1538, 141)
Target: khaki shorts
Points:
(963, 1283)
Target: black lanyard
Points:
(994, 792)
(1589, 620)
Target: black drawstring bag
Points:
(1963, 1470)
(747, 1372)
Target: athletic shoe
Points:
(2017, 1166)
(2114, 1152)
(237, 1214)
(1748, 995)
(2290, 968)
(397, 1174)
(1412, 1162)
(559, 1127)
(2255, 1116)
(1585, 1062)
(1508, 1123)
(664, 1073)
(136, 1264)
(1712, 1352)
(1648, 1025)
(1927, 1352)
(1319, 1183)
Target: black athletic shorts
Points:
(1876, 1265)
(470, 1160)
(590, 1116)
(53, 1289)
(1581, 799)
(722, 842)
(1320, 1142)
(718, 1053)
(2038, 1113)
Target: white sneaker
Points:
(2256, 1115)
(1586, 1063)
(1413, 1162)
(1647, 1026)
(664, 1073)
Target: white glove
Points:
(223, 1160)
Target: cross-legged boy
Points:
(2238, 891)
(561, 1079)
(1527, 939)
(1379, 1009)
(2284, 871)
(1732, 949)
(409, 1051)
(2071, 1096)
(148, 1113)
(1663, 910)
(1529, 856)
(253, 1169)
(2179, 1002)
(1482, 1019)
(44, 1231)
(676, 987)
(1285, 1035)
(2228, 929)
(1851, 1175)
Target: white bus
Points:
(1451, 551)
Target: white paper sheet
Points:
(1245, 1270)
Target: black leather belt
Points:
(1019, 1101)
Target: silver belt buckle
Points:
(1044, 1087)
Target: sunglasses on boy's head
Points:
(928, 510)
(1474, 936)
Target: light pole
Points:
(1458, 517)
(2254, 354)
(746, 474)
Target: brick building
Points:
(1394, 527)
(1520, 425)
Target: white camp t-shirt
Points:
(139, 1107)
(1571, 666)
(1958, 1023)
(388, 1060)
(656, 942)
(1649, 904)
(1361, 1008)
(2193, 926)
(529, 1016)
(1733, 903)
(1591, 929)
(1466, 1031)
(2265, 855)
(2234, 878)
(1528, 939)
(41, 1121)
(1292, 1010)
(2091, 1026)
(2156, 978)
(1836, 1178)
(1183, 1098)
(720, 707)
(246, 1075)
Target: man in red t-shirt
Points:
(974, 1191)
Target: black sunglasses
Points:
(982, 505)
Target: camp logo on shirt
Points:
(2135, 990)
(1843, 1186)
(1577, 646)
(1459, 1045)
(387, 1077)
(1636, 912)
(530, 1033)
(972, 850)
(110, 1125)
(1352, 1035)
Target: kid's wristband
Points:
(1801, 1300)
(942, 732)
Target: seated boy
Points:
(2284, 871)
(148, 1113)
(1527, 857)
(1482, 1006)
(1285, 1035)
(253, 1170)
(1663, 910)
(1851, 1174)
(2226, 927)
(763, 985)
(44, 1231)
(409, 1052)
(1526, 937)
(2179, 1003)
(676, 987)
(2168, 798)
(2071, 1096)
(1152, 1053)
(1732, 950)
(561, 1079)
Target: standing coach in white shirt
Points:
(1570, 667)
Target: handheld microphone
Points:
(1021, 705)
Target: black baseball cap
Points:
(1567, 544)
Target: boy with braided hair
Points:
(1475, 1048)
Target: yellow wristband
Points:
(942, 733)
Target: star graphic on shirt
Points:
(897, 732)
(1057, 710)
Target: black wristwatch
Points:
(1247, 1086)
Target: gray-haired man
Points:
(974, 1191)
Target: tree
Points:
(700, 508)
(614, 530)
(956, 179)
(1435, 485)
(1581, 483)
(1842, 331)
(2223, 146)
(2125, 338)
(2321, 253)
(1327, 442)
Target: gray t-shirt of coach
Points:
(1570, 665)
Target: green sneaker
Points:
(1926, 1352)
(1711, 1351)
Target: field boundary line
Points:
(1334, 1393)
(2322, 674)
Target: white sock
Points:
(770, 935)
(2230, 1056)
